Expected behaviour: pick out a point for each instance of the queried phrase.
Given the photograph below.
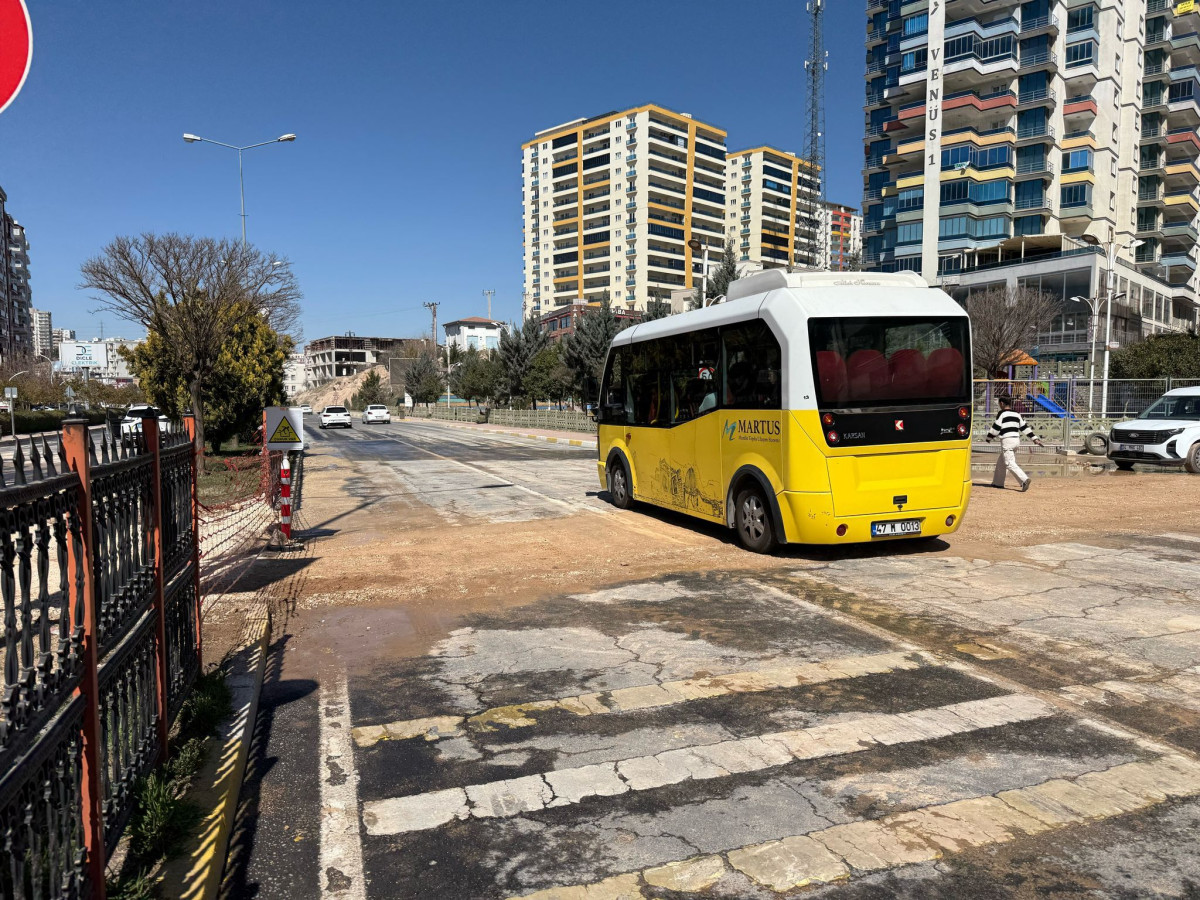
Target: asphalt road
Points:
(874, 724)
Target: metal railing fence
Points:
(98, 576)
(552, 419)
(1065, 410)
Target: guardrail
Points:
(550, 419)
(99, 580)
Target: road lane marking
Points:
(920, 835)
(650, 696)
(565, 787)
(340, 871)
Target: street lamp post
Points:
(1110, 248)
(50, 364)
(194, 139)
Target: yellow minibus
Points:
(813, 408)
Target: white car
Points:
(305, 409)
(376, 412)
(132, 422)
(1167, 434)
(336, 416)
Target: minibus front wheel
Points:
(752, 519)
(620, 490)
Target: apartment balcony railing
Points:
(1084, 132)
(877, 33)
(1034, 96)
(1035, 131)
(876, 66)
(1150, 194)
(1033, 23)
(873, 161)
(1035, 167)
(1039, 57)
(874, 97)
(1155, 6)
(1157, 68)
(1028, 203)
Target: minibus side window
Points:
(648, 383)
(694, 359)
(616, 403)
(752, 378)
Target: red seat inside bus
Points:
(944, 370)
(831, 370)
(867, 371)
(908, 375)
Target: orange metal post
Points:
(150, 435)
(189, 424)
(75, 446)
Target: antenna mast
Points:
(815, 68)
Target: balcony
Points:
(1079, 133)
(630, 157)
(1027, 204)
(1039, 58)
(1039, 95)
(1041, 167)
(1030, 24)
(1035, 132)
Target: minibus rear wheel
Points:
(752, 519)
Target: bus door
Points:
(752, 433)
(648, 436)
(696, 463)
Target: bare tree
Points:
(1005, 321)
(191, 291)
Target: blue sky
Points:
(404, 183)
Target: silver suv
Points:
(1166, 434)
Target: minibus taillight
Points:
(833, 436)
(962, 430)
(964, 412)
(841, 530)
(827, 419)
(949, 521)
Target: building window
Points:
(1074, 195)
(1081, 54)
(1078, 160)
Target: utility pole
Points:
(488, 294)
(815, 68)
(433, 308)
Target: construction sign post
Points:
(283, 427)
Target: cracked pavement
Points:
(707, 723)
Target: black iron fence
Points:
(101, 642)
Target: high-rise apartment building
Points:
(841, 229)
(43, 333)
(611, 203)
(1003, 137)
(63, 334)
(16, 338)
(772, 198)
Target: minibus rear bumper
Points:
(809, 519)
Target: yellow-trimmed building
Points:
(611, 203)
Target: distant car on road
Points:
(306, 408)
(376, 412)
(336, 417)
(1166, 434)
(132, 422)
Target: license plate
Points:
(895, 527)
(1122, 447)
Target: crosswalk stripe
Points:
(649, 696)
(1182, 689)
(340, 854)
(563, 787)
(927, 833)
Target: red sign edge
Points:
(28, 57)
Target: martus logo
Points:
(764, 427)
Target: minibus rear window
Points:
(864, 362)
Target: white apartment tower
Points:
(772, 213)
(43, 333)
(1040, 134)
(611, 204)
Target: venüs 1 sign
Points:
(16, 49)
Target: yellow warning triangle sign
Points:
(284, 433)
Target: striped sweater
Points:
(1010, 424)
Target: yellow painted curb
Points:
(196, 873)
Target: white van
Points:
(1166, 434)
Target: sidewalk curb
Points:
(196, 874)
(573, 442)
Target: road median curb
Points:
(587, 443)
(196, 873)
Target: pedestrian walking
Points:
(1009, 426)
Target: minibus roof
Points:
(807, 295)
